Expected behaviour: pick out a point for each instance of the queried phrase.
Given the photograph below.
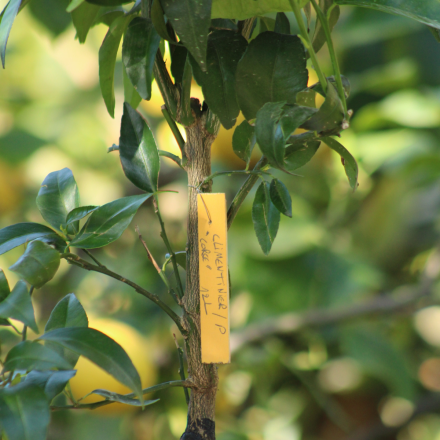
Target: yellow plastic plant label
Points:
(214, 282)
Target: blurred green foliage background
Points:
(375, 376)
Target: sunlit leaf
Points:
(100, 349)
(38, 264)
(108, 222)
(29, 355)
(266, 217)
(18, 305)
(58, 195)
(24, 412)
(138, 151)
(272, 69)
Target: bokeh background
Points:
(375, 376)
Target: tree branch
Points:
(77, 261)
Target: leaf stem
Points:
(92, 257)
(77, 261)
(331, 49)
(176, 132)
(244, 191)
(257, 173)
(162, 386)
(168, 90)
(308, 44)
(168, 245)
(181, 367)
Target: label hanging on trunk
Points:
(214, 280)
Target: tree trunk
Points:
(201, 425)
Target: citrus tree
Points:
(244, 62)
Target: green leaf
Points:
(67, 313)
(180, 258)
(107, 17)
(191, 20)
(107, 60)
(159, 21)
(242, 9)
(139, 48)
(282, 25)
(74, 4)
(266, 24)
(349, 162)
(179, 55)
(83, 18)
(79, 213)
(225, 48)
(100, 349)
(378, 357)
(18, 305)
(29, 355)
(51, 14)
(280, 197)
(130, 93)
(330, 117)
(243, 141)
(108, 222)
(272, 69)
(58, 195)
(345, 85)
(109, 2)
(298, 154)
(52, 382)
(24, 412)
(138, 151)
(9, 14)
(186, 113)
(268, 132)
(38, 264)
(319, 38)
(171, 156)
(4, 286)
(294, 116)
(425, 11)
(306, 98)
(20, 233)
(266, 217)
(115, 397)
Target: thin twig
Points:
(181, 367)
(77, 261)
(162, 386)
(257, 173)
(164, 236)
(92, 257)
(244, 191)
(176, 132)
(168, 90)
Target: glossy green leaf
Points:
(306, 98)
(24, 412)
(225, 48)
(138, 151)
(51, 14)
(67, 313)
(51, 382)
(18, 305)
(319, 39)
(348, 161)
(280, 197)
(109, 2)
(329, 118)
(79, 213)
(282, 25)
(159, 21)
(294, 116)
(130, 94)
(83, 18)
(266, 217)
(298, 154)
(9, 14)
(139, 48)
(20, 233)
(268, 132)
(186, 112)
(242, 9)
(179, 55)
(115, 397)
(243, 141)
(108, 222)
(4, 286)
(29, 355)
(100, 349)
(107, 60)
(38, 264)
(191, 20)
(58, 195)
(272, 69)
(425, 11)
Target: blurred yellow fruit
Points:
(90, 377)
